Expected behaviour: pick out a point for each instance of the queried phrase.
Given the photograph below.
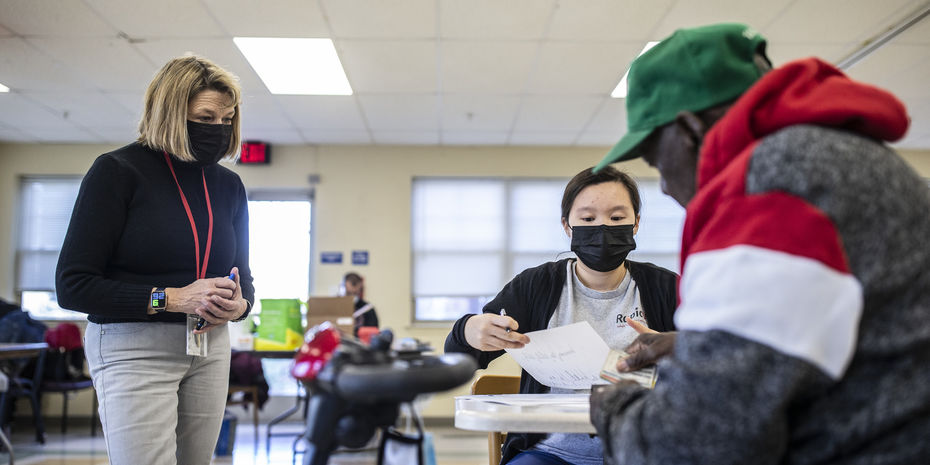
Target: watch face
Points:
(158, 299)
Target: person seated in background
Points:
(804, 327)
(618, 297)
(353, 284)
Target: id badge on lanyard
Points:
(196, 343)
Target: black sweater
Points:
(532, 297)
(129, 233)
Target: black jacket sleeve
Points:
(241, 224)
(658, 292)
(97, 223)
(530, 299)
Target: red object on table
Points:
(319, 345)
(366, 332)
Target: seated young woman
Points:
(600, 213)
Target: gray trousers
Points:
(158, 405)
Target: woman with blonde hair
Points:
(157, 255)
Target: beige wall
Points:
(362, 202)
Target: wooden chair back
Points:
(496, 384)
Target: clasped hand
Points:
(216, 300)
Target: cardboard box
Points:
(337, 310)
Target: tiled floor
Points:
(453, 447)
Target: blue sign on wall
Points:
(359, 257)
(330, 257)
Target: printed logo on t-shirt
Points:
(637, 315)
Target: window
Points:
(658, 239)
(45, 205)
(279, 257)
(279, 248)
(472, 236)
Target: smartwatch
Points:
(159, 300)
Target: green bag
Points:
(280, 327)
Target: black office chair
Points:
(65, 388)
(26, 385)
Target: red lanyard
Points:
(201, 272)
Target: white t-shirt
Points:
(606, 312)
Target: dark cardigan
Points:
(540, 288)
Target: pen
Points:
(504, 313)
(202, 322)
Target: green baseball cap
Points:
(693, 69)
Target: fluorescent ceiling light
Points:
(620, 90)
(296, 66)
(4, 88)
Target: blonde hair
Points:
(164, 120)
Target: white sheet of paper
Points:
(568, 357)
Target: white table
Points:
(525, 413)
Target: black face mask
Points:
(208, 141)
(603, 248)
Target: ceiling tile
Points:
(223, 52)
(610, 117)
(106, 64)
(544, 113)
(479, 112)
(261, 112)
(490, 67)
(24, 67)
(632, 20)
(914, 144)
(558, 138)
(783, 53)
(88, 109)
(280, 18)
(322, 112)
(685, 14)
(53, 18)
(400, 112)
(21, 112)
(910, 83)
(581, 67)
(804, 22)
(131, 101)
(918, 34)
(389, 66)
(4, 32)
(474, 138)
(164, 18)
(121, 136)
(388, 19)
(65, 135)
(889, 62)
(494, 19)
(406, 137)
(8, 134)
(321, 136)
(278, 135)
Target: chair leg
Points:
(255, 413)
(37, 417)
(64, 413)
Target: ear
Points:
(692, 126)
(567, 228)
(636, 225)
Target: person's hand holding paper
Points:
(490, 332)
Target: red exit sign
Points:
(255, 153)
